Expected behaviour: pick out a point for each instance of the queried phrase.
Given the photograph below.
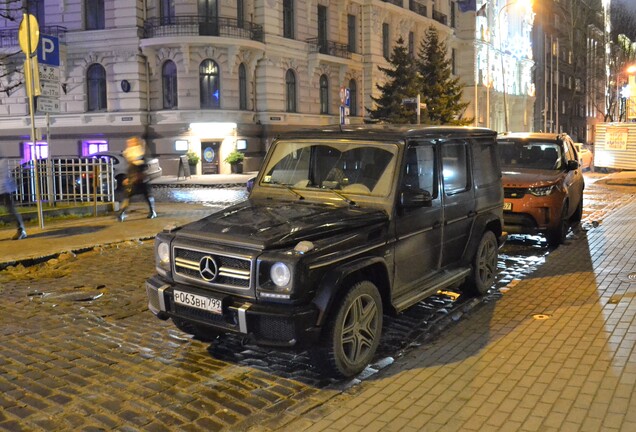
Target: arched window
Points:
(242, 87)
(94, 15)
(324, 94)
(353, 98)
(96, 87)
(169, 84)
(290, 85)
(209, 84)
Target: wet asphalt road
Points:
(81, 351)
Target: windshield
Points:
(362, 168)
(530, 154)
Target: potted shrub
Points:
(235, 159)
(193, 158)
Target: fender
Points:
(330, 284)
(481, 222)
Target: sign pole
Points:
(31, 75)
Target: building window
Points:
(411, 47)
(36, 8)
(166, 11)
(210, 96)
(90, 147)
(96, 83)
(322, 29)
(240, 13)
(288, 19)
(38, 151)
(353, 98)
(453, 64)
(208, 8)
(94, 15)
(242, 87)
(351, 32)
(290, 86)
(452, 14)
(169, 84)
(324, 94)
(385, 41)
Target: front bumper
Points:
(272, 325)
(533, 215)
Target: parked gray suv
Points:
(342, 226)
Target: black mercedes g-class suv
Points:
(341, 226)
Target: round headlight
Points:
(163, 252)
(280, 274)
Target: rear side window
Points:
(455, 167)
(486, 169)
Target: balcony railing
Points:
(9, 37)
(195, 25)
(417, 7)
(329, 48)
(440, 17)
(395, 2)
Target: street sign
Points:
(28, 33)
(50, 88)
(412, 100)
(49, 50)
(347, 101)
(48, 104)
(49, 73)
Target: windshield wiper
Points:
(289, 188)
(344, 198)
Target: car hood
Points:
(265, 224)
(525, 178)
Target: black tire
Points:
(484, 265)
(202, 333)
(353, 332)
(556, 236)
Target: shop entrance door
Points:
(210, 157)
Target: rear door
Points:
(458, 199)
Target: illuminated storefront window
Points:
(90, 147)
(38, 151)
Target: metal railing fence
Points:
(64, 180)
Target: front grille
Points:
(514, 192)
(213, 268)
(273, 328)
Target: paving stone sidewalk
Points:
(555, 353)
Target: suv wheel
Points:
(353, 335)
(201, 333)
(557, 235)
(484, 265)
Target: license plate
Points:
(507, 206)
(209, 304)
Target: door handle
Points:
(437, 224)
(472, 213)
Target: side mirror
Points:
(250, 184)
(572, 165)
(413, 198)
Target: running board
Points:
(444, 280)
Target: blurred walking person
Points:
(7, 187)
(136, 182)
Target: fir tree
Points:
(402, 82)
(440, 92)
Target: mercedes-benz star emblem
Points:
(208, 268)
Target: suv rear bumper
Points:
(272, 325)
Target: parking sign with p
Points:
(49, 50)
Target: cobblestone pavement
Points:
(81, 351)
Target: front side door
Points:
(418, 229)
